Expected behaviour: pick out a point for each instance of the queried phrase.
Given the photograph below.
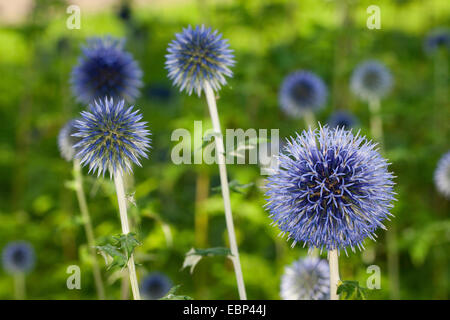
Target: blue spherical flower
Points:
(442, 175)
(105, 69)
(371, 80)
(436, 39)
(306, 279)
(341, 119)
(302, 92)
(112, 137)
(66, 141)
(18, 257)
(155, 286)
(198, 56)
(332, 189)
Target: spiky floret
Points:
(371, 80)
(18, 257)
(66, 141)
(105, 69)
(442, 175)
(302, 92)
(332, 189)
(437, 39)
(306, 279)
(198, 56)
(341, 119)
(112, 137)
(155, 286)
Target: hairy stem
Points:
(88, 228)
(220, 151)
(126, 230)
(334, 273)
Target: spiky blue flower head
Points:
(341, 119)
(66, 141)
(155, 286)
(301, 92)
(112, 137)
(198, 56)
(437, 39)
(105, 69)
(306, 279)
(18, 257)
(371, 80)
(442, 175)
(332, 189)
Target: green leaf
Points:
(235, 186)
(351, 290)
(127, 242)
(118, 258)
(119, 249)
(172, 296)
(194, 256)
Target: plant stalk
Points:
(220, 151)
(20, 292)
(333, 261)
(88, 228)
(310, 120)
(118, 180)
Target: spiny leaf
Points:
(194, 256)
(118, 258)
(172, 296)
(352, 290)
(119, 249)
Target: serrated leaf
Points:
(235, 186)
(172, 296)
(127, 242)
(194, 256)
(352, 290)
(119, 249)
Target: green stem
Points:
(20, 292)
(310, 120)
(376, 122)
(126, 230)
(88, 228)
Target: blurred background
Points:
(177, 207)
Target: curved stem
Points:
(88, 228)
(333, 261)
(126, 230)
(220, 151)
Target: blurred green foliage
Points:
(270, 39)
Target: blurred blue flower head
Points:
(155, 286)
(105, 69)
(18, 257)
(332, 190)
(437, 39)
(371, 80)
(442, 175)
(341, 119)
(301, 92)
(66, 141)
(306, 279)
(198, 56)
(112, 137)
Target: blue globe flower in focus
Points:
(198, 56)
(155, 286)
(306, 279)
(112, 137)
(341, 119)
(302, 92)
(442, 175)
(437, 39)
(66, 141)
(332, 190)
(105, 69)
(18, 257)
(371, 80)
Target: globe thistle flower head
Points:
(105, 69)
(18, 257)
(112, 137)
(332, 190)
(306, 279)
(302, 92)
(371, 80)
(66, 141)
(442, 175)
(155, 286)
(437, 39)
(341, 119)
(198, 56)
